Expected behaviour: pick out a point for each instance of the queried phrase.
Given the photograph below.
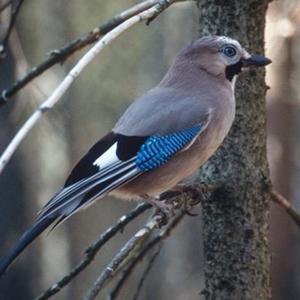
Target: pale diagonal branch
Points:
(61, 54)
(148, 14)
(156, 241)
(135, 241)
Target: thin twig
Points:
(154, 242)
(148, 14)
(13, 17)
(146, 272)
(157, 241)
(123, 278)
(126, 273)
(91, 251)
(286, 205)
(61, 54)
(120, 257)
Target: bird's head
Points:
(222, 56)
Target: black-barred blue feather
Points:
(157, 150)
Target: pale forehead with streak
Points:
(222, 40)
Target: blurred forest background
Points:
(132, 64)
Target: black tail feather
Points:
(24, 241)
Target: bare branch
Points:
(61, 54)
(91, 251)
(137, 240)
(148, 14)
(146, 272)
(286, 205)
(157, 240)
(127, 272)
(123, 278)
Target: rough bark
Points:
(235, 218)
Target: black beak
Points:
(256, 60)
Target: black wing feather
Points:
(85, 168)
(85, 181)
(128, 146)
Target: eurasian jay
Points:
(163, 137)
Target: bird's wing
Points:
(164, 111)
(114, 161)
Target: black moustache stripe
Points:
(232, 70)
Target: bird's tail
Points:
(25, 240)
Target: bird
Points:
(162, 138)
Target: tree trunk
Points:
(235, 218)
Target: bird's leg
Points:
(196, 194)
(164, 211)
(193, 193)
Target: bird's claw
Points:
(164, 211)
(188, 207)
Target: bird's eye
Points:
(229, 51)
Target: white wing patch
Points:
(107, 158)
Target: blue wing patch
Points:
(157, 150)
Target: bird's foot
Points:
(195, 192)
(167, 203)
(164, 210)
